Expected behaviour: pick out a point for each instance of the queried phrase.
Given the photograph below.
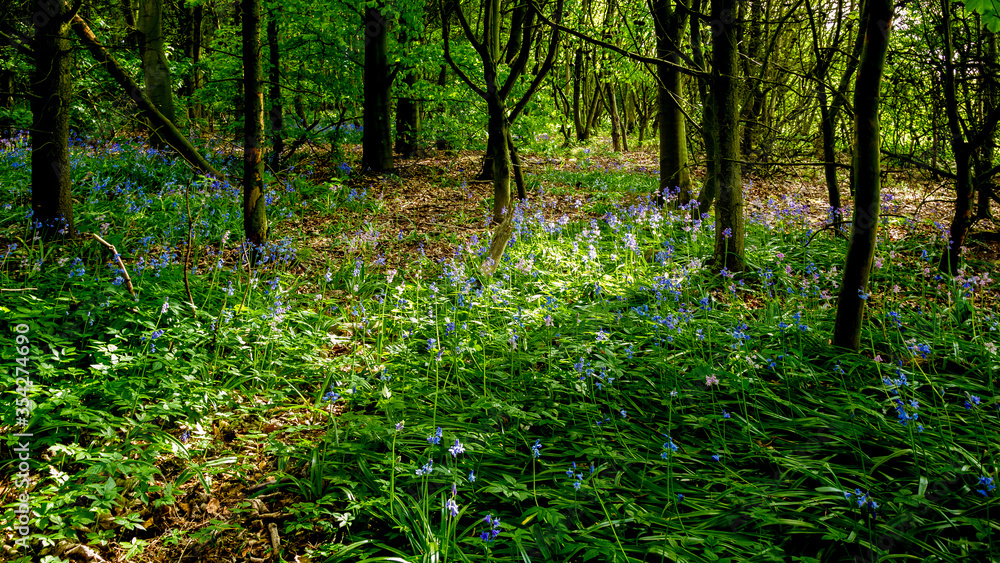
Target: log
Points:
(163, 126)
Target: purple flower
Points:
(452, 507)
(458, 448)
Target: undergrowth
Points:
(605, 395)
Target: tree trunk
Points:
(864, 229)
(578, 93)
(709, 130)
(729, 230)
(155, 69)
(194, 18)
(277, 106)
(408, 120)
(254, 210)
(498, 133)
(51, 88)
(674, 172)
(616, 121)
(962, 151)
(376, 141)
(171, 135)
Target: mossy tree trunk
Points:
(729, 229)
(254, 210)
(876, 24)
(155, 69)
(51, 93)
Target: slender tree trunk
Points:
(876, 24)
(709, 129)
(729, 229)
(674, 172)
(254, 210)
(616, 121)
(962, 151)
(408, 120)
(277, 105)
(377, 135)
(192, 21)
(51, 88)
(155, 69)
(578, 93)
(498, 134)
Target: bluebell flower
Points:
(452, 507)
(535, 450)
(435, 438)
(458, 448)
(426, 469)
(472, 476)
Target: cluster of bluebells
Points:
(495, 528)
(864, 502)
(572, 474)
(904, 416)
(451, 505)
(426, 469)
(669, 447)
(331, 395)
(435, 438)
(972, 402)
(987, 485)
(894, 384)
(536, 449)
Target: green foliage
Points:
(988, 10)
(585, 387)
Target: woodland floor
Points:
(435, 202)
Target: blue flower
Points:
(435, 438)
(535, 450)
(458, 448)
(452, 507)
(987, 484)
(426, 469)
(472, 476)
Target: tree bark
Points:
(376, 139)
(155, 69)
(52, 88)
(876, 25)
(171, 135)
(193, 45)
(616, 121)
(254, 210)
(674, 171)
(578, 93)
(729, 228)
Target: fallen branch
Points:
(114, 251)
(163, 126)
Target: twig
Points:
(128, 280)
(21, 289)
(272, 528)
